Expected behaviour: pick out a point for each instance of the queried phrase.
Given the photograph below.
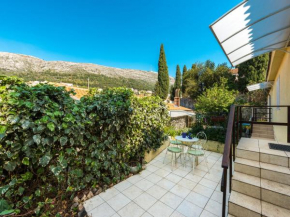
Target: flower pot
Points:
(184, 135)
(134, 169)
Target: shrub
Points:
(213, 133)
(51, 145)
(216, 99)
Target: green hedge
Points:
(213, 133)
(51, 144)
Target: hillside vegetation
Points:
(80, 79)
(31, 68)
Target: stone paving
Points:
(162, 191)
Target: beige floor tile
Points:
(197, 199)
(214, 207)
(217, 196)
(180, 191)
(134, 179)
(213, 177)
(207, 214)
(123, 185)
(131, 210)
(152, 168)
(171, 200)
(144, 184)
(166, 184)
(207, 183)
(118, 202)
(161, 172)
(146, 214)
(104, 210)
(145, 173)
(177, 214)
(159, 209)
(173, 178)
(93, 203)
(193, 177)
(205, 191)
(116, 215)
(156, 191)
(153, 178)
(109, 193)
(180, 172)
(187, 183)
(189, 209)
(132, 192)
(145, 201)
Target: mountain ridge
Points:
(21, 63)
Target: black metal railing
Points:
(234, 133)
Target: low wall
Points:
(215, 146)
(181, 122)
(211, 146)
(152, 154)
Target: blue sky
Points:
(117, 33)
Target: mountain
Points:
(31, 68)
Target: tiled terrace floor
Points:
(159, 191)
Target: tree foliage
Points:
(252, 71)
(51, 144)
(177, 83)
(202, 76)
(162, 86)
(217, 99)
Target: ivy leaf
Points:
(44, 160)
(27, 176)
(25, 161)
(37, 192)
(25, 199)
(37, 139)
(4, 205)
(20, 190)
(55, 170)
(63, 140)
(3, 189)
(51, 126)
(25, 125)
(10, 166)
(6, 212)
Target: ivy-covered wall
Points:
(51, 144)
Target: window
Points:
(278, 92)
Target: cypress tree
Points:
(178, 78)
(163, 77)
(183, 78)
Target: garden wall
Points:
(149, 156)
(181, 122)
(187, 103)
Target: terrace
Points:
(161, 191)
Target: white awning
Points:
(252, 28)
(260, 86)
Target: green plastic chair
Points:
(174, 148)
(199, 149)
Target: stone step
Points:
(270, 172)
(256, 130)
(241, 205)
(259, 188)
(263, 135)
(253, 137)
(263, 154)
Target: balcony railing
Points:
(258, 115)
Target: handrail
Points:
(228, 141)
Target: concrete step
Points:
(263, 154)
(259, 188)
(263, 135)
(241, 205)
(270, 172)
(256, 130)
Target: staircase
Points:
(261, 181)
(261, 131)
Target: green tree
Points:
(177, 78)
(184, 70)
(216, 99)
(177, 83)
(252, 71)
(162, 87)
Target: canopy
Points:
(252, 28)
(260, 86)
